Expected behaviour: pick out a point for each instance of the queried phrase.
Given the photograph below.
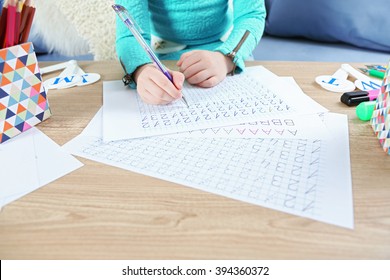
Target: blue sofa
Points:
(326, 30)
(312, 30)
(273, 48)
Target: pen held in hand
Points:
(130, 23)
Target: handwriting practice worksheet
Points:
(255, 138)
(305, 177)
(298, 127)
(252, 96)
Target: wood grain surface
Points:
(103, 212)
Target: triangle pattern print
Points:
(23, 100)
(380, 120)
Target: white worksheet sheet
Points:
(30, 161)
(298, 127)
(306, 177)
(251, 96)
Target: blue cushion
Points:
(358, 22)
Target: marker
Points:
(356, 97)
(373, 73)
(377, 67)
(365, 109)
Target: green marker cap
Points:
(364, 110)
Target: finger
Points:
(183, 57)
(151, 92)
(195, 69)
(199, 77)
(146, 98)
(178, 79)
(167, 86)
(190, 60)
(211, 82)
(158, 92)
(151, 99)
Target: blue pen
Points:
(130, 23)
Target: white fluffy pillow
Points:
(56, 31)
(88, 28)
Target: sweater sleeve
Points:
(247, 15)
(128, 49)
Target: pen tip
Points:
(185, 101)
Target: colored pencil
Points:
(3, 24)
(19, 6)
(28, 15)
(10, 33)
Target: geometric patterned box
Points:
(380, 120)
(23, 100)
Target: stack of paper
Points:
(255, 137)
(29, 161)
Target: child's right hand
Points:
(155, 88)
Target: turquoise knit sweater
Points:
(197, 24)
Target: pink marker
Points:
(354, 98)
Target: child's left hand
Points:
(204, 68)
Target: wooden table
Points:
(103, 212)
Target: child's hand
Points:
(155, 88)
(204, 68)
